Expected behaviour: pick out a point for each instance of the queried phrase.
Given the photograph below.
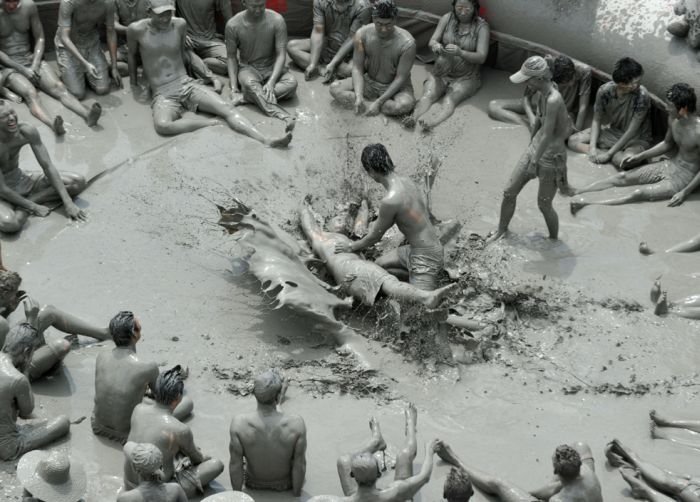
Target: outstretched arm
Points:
(299, 461)
(406, 489)
(666, 145)
(235, 466)
(387, 216)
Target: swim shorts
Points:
(73, 73)
(207, 48)
(15, 444)
(26, 183)
(374, 89)
(423, 265)
(678, 173)
(107, 432)
(178, 96)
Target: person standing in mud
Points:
(147, 461)
(335, 24)
(272, 442)
(256, 41)
(160, 43)
(404, 205)
(382, 61)
(545, 157)
(22, 193)
(202, 37)
(78, 50)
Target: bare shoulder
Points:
(138, 27)
(30, 7)
(296, 423)
(239, 422)
(179, 24)
(29, 133)
(275, 17)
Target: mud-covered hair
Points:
(375, 157)
(9, 285)
(384, 9)
(169, 386)
(682, 96)
(567, 462)
(147, 460)
(475, 3)
(267, 387)
(626, 70)
(364, 469)
(457, 487)
(122, 327)
(563, 69)
(21, 341)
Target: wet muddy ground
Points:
(584, 358)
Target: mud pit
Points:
(580, 360)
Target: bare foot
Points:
(291, 123)
(436, 296)
(576, 206)
(662, 305)
(378, 440)
(645, 249)
(657, 432)
(425, 125)
(658, 419)
(411, 414)
(282, 142)
(494, 237)
(94, 114)
(638, 488)
(409, 122)
(617, 455)
(58, 127)
(655, 292)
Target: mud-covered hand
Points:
(92, 71)
(433, 446)
(630, 162)
(115, 76)
(359, 104)
(451, 50)
(437, 48)
(311, 72)
(75, 213)
(328, 74)
(678, 199)
(343, 247)
(31, 75)
(40, 210)
(217, 85)
(374, 109)
(31, 311)
(268, 91)
(600, 157)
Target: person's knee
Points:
(101, 89)
(398, 107)
(291, 84)
(32, 95)
(336, 88)
(545, 204)
(214, 467)
(494, 108)
(10, 224)
(61, 425)
(76, 185)
(163, 127)
(294, 46)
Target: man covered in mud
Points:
(256, 41)
(381, 66)
(160, 42)
(273, 443)
(404, 205)
(147, 461)
(545, 157)
(121, 380)
(674, 178)
(202, 37)
(335, 24)
(153, 422)
(22, 55)
(624, 104)
(17, 400)
(24, 193)
(78, 50)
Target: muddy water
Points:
(151, 246)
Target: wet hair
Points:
(385, 9)
(364, 469)
(563, 70)
(21, 342)
(376, 158)
(122, 327)
(682, 96)
(169, 386)
(9, 285)
(457, 487)
(626, 70)
(267, 387)
(567, 462)
(147, 461)
(475, 4)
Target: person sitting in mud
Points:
(335, 24)
(127, 12)
(545, 157)
(573, 466)
(461, 44)
(362, 279)
(272, 442)
(359, 470)
(256, 41)
(673, 179)
(51, 477)
(202, 38)
(24, 193)
(16, 398)
(624, 104)
(78, 51)
(648, 481)
(687, 307)
(147, 461)
(22, 55)
(121, 380)
(690, 246)
(382, 61)
(153, 422)
(404, 205)
(160, 43)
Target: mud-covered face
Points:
(629, 87)
(464, 10)
(10, 5)
(255, 8)
(342, 5)
(161, 20)
(8, 119)
(385, 27)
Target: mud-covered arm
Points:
(44, 160)
(403, 74)
(631, 132)
(597, 121)
(299, 461)
(24, 398)
(664, 146)
(188, 448)
(8, 62)
(547, 491)
(584, 99)
(65, 22)
(39, 38)
(435, 42)
(232, 52)
(118, 26)
(235, 466)
(479, 55)
(362, 19)
(198, 67)
(316, 41)
(280, 52)
(386, 219)
(554, 105)
(406, 489)
(527, 105)
(132, 44)
(358, 68)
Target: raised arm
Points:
(235, 466)
(407, 488)
(403, 73)
(358, 70)
(299, 460)
(232, 55)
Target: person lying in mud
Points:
(335, 24)
(47, 354)
(403, 205)
(256, 41)
(17, 400)
(359, 470)
(461, 44)
(673, 179)
(121, 380)
(160, 43)
(688, 307)
(649, 481)
(690, 246)
(154, 423)
(22, 55)
(624, 104)
(683, 432)
(545, 157)
(360, 278)
(382, 61)
(573, 466)
(24, 193)
(147, 461)
(268, 446)
(202, 37)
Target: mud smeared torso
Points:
(15, 32)
(382, 56)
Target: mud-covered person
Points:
(382, 61)
(127, 12)
(202, 37)
(78, 50)
(24, 193)
(545, 157)
(17, 400)
(122, 379)
(268, 446)
(404, 205)
(153, 422)
(256, 41)
(331, 42)
(147, 461)
(623, 105)
(22, 55)
(574, 84)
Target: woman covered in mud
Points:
(461, 44)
